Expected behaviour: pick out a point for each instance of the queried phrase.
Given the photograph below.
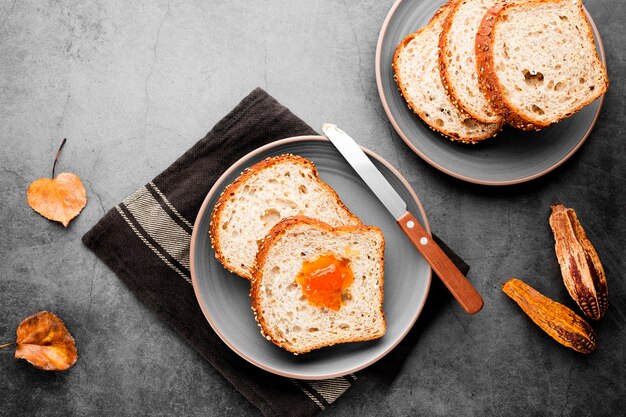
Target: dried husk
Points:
(582, 271)
(561, 323)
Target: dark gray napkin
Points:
(145, 241)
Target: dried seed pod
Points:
(582, 271)
(561, 323)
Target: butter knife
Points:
(454, 280)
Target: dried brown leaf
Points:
(59, 199)
(44, 341)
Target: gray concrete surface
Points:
(132, 85)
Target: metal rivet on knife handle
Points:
(456, 282)
(453, 279)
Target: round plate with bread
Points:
(491, 92)
(290, 246)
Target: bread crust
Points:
(232, 189)
(421, 114)
(489, 81)
(262, 255)
(443, 70)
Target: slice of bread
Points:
(537, 61)
(273, 189)
(285, 315)
(416, 68)
(457, 59)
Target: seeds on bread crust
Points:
(529, 90)
(416, 72)
(457, 59)
(242, 216)
(278, 305)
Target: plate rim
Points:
(415, 149)
(204, 211)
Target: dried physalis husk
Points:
(44, 341)
(561, 323)
(582, 271)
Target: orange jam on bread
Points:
(325, 280)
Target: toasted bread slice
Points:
(538, 62)
(457, 59)
(284, 313)
(415, 64)
(265, 193)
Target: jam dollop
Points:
(325, 280)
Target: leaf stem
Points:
(57, 158)
(5, 345)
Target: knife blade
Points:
(466, 295)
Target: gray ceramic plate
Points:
(224, 297)
(511, 157)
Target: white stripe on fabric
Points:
(167, 203)
(308, 394)
(330, 389)
(148, 244)
(159, 225)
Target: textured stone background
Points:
(132, 85)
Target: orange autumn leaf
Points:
(44, 341)
(59, 199)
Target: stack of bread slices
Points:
(481, 64)
(278, 216)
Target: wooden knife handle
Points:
(459, 286)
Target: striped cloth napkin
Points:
(145, 241)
